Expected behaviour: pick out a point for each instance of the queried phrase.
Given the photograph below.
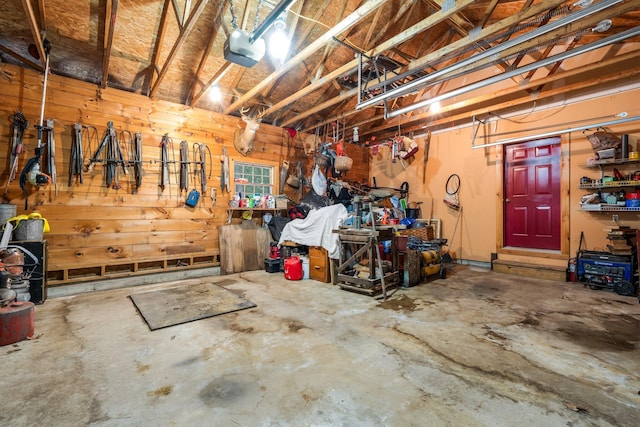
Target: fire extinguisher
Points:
(572, 276)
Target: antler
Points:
(261, 113)
(244, 111)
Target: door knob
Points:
(507, 200)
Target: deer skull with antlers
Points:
(243, 138)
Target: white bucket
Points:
(305, 267)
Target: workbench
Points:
(356, 244)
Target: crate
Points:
(423, 233)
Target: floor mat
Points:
(173, 306)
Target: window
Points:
(253, 178)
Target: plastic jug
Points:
(293, 268)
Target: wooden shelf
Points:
(126, 268)
(610, 162)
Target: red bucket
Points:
(293, 268)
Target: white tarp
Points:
(316, 229)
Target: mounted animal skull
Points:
(243, 138)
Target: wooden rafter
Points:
(159, 43)
(21, 58)
(109, 26)
(205, 54)
(43, 15)
(35, 30)
(403, 36)
(446, 114)
(361, 13)
(184, 33)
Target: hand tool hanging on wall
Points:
(19, 124)
(166, 150)
(184, 166)
(452, 187)
(201, 170)
(115, 158)
(75, 164)
(224, 177)
(110, 153)
(135, 159)
(31, 172)
(51, 155)
(427, 143)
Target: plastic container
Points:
(293, 268)
(305, 267)
(633, 203)
(272, 265)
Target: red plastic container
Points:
(293, 268)
(16, 322)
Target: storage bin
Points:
(272, 265)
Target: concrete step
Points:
(547, 272)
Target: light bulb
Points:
(435, 107)
(214, 93)
(278, 45)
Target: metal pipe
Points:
(554, 133)
(489, 52)
(270, 19)
(632, 32)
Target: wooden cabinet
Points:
(319, 264)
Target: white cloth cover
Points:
(316, 229)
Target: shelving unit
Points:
(230, 211)
(601, 184)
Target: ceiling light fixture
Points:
(278, 41)
(214, 93)
(247, 49)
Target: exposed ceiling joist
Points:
(109, 27)
(392, 42)
(184, 33)
(354, 18)
(35, 30)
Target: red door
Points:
(532, 190)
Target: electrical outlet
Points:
(614, 218)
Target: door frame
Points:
(564, 206)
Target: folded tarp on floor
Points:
(316, 229)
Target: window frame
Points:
(261, 163)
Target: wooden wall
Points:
(100, 232)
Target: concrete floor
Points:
(476, 349)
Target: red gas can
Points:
(293, 268)
(16, 322)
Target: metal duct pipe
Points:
(568, 130)
(420, 82)
(632, 32)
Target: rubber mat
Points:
(173, 306)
